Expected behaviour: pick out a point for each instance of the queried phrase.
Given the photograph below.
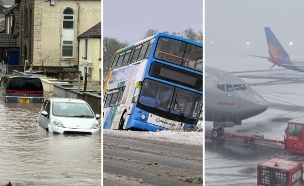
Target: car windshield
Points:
(25, 83)
(70, 109)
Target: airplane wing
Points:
(258, 56)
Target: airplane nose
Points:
(260, 104)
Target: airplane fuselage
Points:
(296, 65)
(233, 106)
(229, 100)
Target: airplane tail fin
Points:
(275, 49)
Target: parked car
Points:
(66, 115)
(21, 89)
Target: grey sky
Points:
(128, 20)
(231, 23)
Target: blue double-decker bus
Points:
(155, 84)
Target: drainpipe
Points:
(78, 18)
(78, 41)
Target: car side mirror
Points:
(97, 116)
(44, 113)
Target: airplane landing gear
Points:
(217, 132)
(216, 135)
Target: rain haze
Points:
(231, 24)
(128, 21)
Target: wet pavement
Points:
(31, 156)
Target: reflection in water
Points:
(31, 156)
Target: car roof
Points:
(21, 76)
(58, 99)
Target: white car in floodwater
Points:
(66, 115)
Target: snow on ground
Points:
(282, 90)
(118, 180)
(187, 138)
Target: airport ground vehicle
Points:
(155, 84)
(66, 115)
(280, 172)
(21, 89)
(293, 140)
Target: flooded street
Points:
(31, 156)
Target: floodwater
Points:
(31, 156)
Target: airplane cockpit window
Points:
(239, 87)
(221, 87)
(229, 88)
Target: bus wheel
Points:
(122, 121)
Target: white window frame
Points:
(67, 44)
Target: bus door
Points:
(294, 137)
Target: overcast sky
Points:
(128, 20)
(230, 24)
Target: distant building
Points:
(90, 52)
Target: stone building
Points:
(49, 29)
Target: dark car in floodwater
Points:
(21, 89)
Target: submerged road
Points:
(31, 156)
(147, 161)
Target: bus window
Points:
(185, 103)
(156, 95)
(135, 54)
(169, 50)
(149, 48)
(107, 101)
(114, 99)
(193, 57)
(120, 93)
(115, 60)
(143, 51)
(120, 59)
(126, 58)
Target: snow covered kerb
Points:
(186, 138)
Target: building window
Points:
(68, 19)
(68, 33)
(67, 49)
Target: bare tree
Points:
(110, 46)
(187, 33)
(190, 34)
(150, 32)
(200, 36)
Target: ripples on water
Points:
(31, 156)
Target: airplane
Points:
(229, 100)
(277, 54)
